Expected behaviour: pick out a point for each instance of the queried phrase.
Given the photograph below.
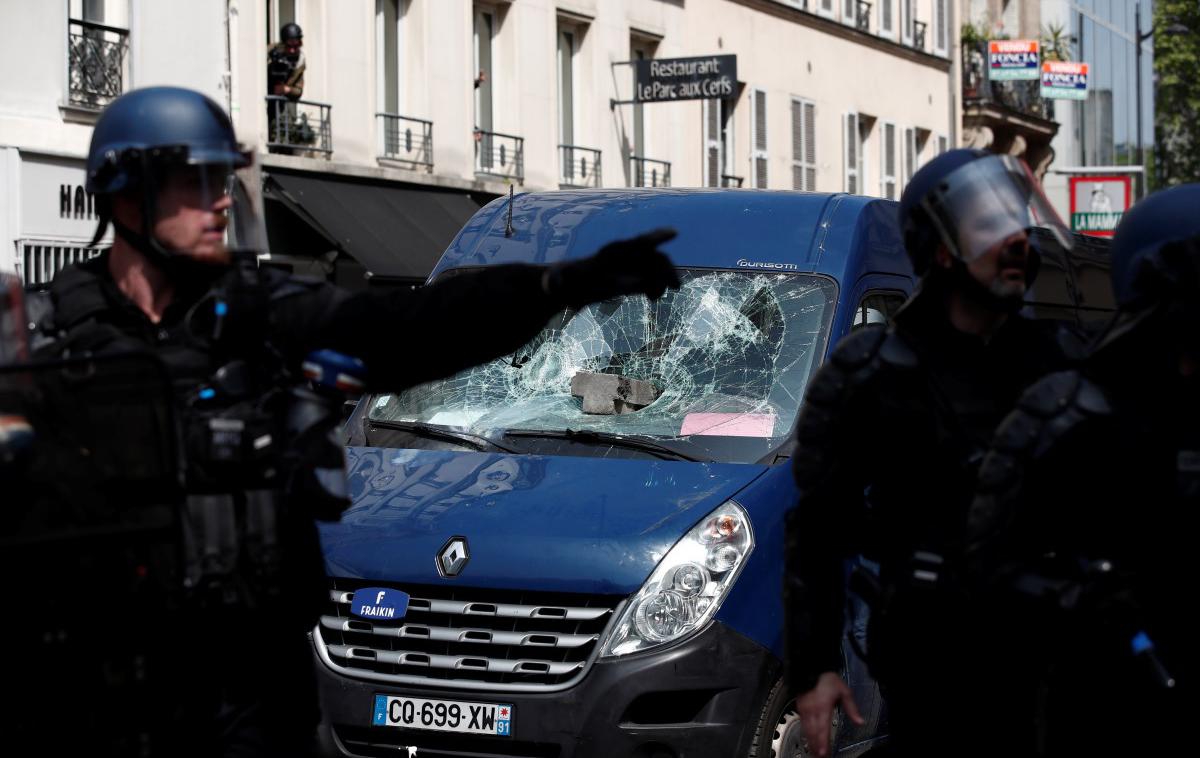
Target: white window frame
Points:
(884, 177)
(851, 18)
(710, 111)
(940, 14)
(273, 18)
(887, 32)
(912, 154)
(851, 169)
(380, 63)
(572, 29)
(829, 12)
(942, 144)
(477, 11)
(906, 21)
(808, 137)
(759, 153)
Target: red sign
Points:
(1097, 203)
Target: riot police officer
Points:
(180, 281)
(1085, 519)
(892, 429)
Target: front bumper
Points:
(700, 698)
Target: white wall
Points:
(783, 57)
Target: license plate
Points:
(443, 715)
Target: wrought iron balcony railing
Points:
(919, 29)
(863, 20)
(406, 139)
(647, 172)
(500, 154)
(96, 63)
(297, 126)
(729, 180)
(1021, 96)
(580, 166)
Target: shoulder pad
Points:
(857, 348)
(897, 351)
(282, 285)
(1050, 395)
(75, 296)
(1062, 391)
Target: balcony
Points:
(407, 140)
(499, 154)
(731, 181)
(647, 172)
(863, 19)
(919, 30)
(1005, 116)
(96, 63)
(580, 166)
(295, 127)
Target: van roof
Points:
(836, 234)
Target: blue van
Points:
(540, 562)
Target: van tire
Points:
(778, 734)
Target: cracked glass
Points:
(729, 355)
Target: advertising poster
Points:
(1013, 59)
(1065, 80)
(1097, 203)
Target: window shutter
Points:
(849, 11)
(886, 24)
(712, 143)
(942, 144)
(851, 139)
(797, 144)
(760, 139)
(939, 26)
(810, 147)
(906, 21)
(888, 188)
(910, 154)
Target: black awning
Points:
(393, 230)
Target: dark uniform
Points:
(890, 435)
(889, 441)
(263, 701)
(228, 666)
(1086, 513)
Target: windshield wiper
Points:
(604, 438)
(429, 431)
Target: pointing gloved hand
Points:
(632, 266)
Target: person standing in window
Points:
(285, 63)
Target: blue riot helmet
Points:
(1150, 246)
(970, 201)
(169, 144)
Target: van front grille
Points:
(469, 638)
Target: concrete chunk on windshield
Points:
(611, 394)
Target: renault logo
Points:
(453, 557)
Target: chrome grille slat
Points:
(445, 634)
(504, 610)
(457, 662)
(467, 638)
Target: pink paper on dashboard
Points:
(729, 424)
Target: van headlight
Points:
(688, 584)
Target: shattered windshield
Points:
(719, 365)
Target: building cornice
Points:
(850, 33)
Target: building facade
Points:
(1100, 133)
(416, 111)
(60, 62)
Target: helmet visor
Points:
(203, 203)
(986, 202)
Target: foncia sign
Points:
(668, 79)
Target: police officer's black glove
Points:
(632, 266)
